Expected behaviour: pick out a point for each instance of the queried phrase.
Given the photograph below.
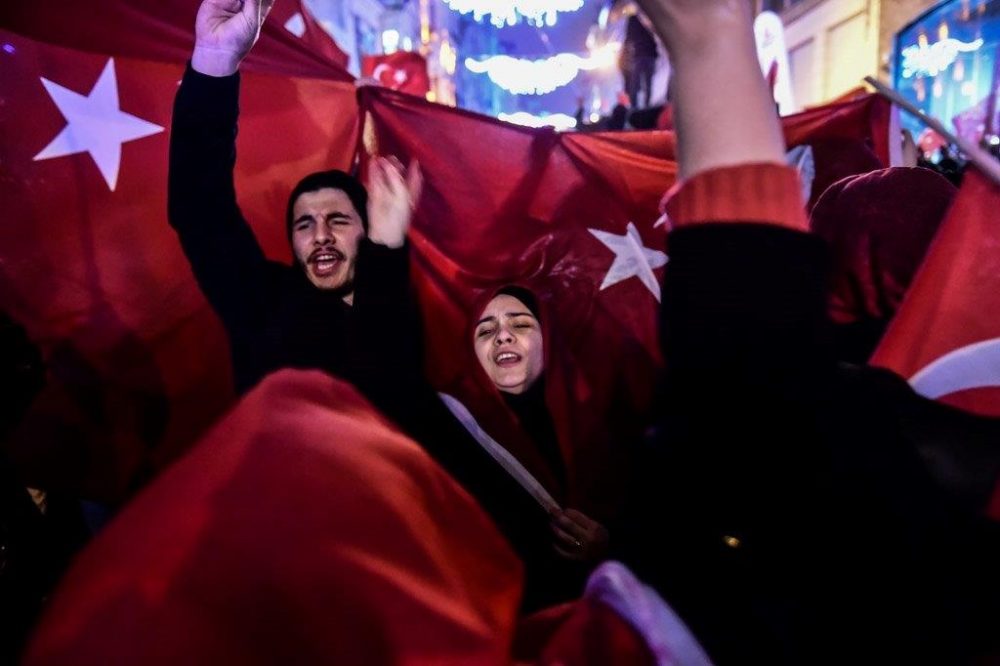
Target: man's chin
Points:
(337, 282)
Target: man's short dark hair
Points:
(334, 179)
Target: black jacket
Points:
(786, 512)
(273, 315)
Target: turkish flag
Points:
(302, 529)
(844, 139)
(575, 218)
(404, 71)
(945, 337)
(292, 41)
(138, 363)
(571, 217)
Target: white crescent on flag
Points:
(970, 367)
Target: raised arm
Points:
(201, 198)
(723, 109)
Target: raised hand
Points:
(723, 108)
(225, 31)
(578, 537)
(391, 200)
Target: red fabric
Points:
(866, 119)
(507, 205)
(665, 121)
(595, 635)
(837, 159)
(879, 226)
(534, 631)
(138, 362)
(301, 529)
(164, 31)
(953, 305)
(404, 71)
(765, 193)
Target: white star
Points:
(632, 259)
(95, 124)
(296, 25)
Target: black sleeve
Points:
(961, 450)
(744, 309)
(227, 261)
(387, 334)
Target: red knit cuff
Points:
(759, 193)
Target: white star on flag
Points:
(632, 259)
(95, 124)
(296, 25)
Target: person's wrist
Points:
(391, 241)
(729, 46)
(213, 61)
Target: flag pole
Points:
(982, 159)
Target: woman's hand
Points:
(578, 537)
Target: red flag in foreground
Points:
(946, 336)
(404, 71)
(138, 362)
(302, 529)
(570, 217)
(573, 216)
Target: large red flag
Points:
(138, 362)
(292, 41)
(574, 216)
(946, 336)
(301, 529)
(504, 204)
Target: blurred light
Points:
(959, 72)
(606, 57)
(968, 88)
(928, 60)
(594, 117)
(448, 57)
(938, 88)
(431, 96)
(390, 41)
(536, 77)
(943, 31)
(559, 121)
(922, 41)
(510, 12)
(995, 140)
(602, 18)
(9, 48)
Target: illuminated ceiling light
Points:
(538, 77)
(929, 60)
(559, 121)
(510, 12)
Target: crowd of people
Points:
(776, 501)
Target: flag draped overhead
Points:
(138, 362)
